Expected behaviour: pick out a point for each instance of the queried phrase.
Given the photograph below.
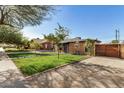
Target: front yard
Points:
(31, 63)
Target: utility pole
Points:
(117, 35)
(116, 32)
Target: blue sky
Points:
(83, 21)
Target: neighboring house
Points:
(75, 45)
(45, 44)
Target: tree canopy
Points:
(114, 41)
(60, 34)
(50, 37)
(10, 35)
(14, 17)
(22, 15)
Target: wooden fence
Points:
(110, 50)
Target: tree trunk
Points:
(58, 53)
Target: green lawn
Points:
(35, 63)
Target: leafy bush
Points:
(10, 35)
(35, 45)
(115, 41)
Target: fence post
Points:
(120, 50)
(94, 49)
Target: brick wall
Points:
(73, 49)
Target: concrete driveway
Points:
(95, 72)
(106, 61)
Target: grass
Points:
(42, 62)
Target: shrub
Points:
(35, 45)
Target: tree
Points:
(14, 17)
(115, 41)
(21, 15)
(25, 43)
(34, 45)
(89, 46)
(10, 35)
(60, 34)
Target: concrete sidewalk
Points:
(10, 76)
(5, 63)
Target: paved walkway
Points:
(10, 76)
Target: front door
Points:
(66, 47)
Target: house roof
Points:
(64, 41)
(77, 39)
(40, 40)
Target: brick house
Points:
(75, 45)
(45, 44)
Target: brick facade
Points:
(76, 49)
(47, 46)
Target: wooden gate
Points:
(110, 50)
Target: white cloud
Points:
(30, 33)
